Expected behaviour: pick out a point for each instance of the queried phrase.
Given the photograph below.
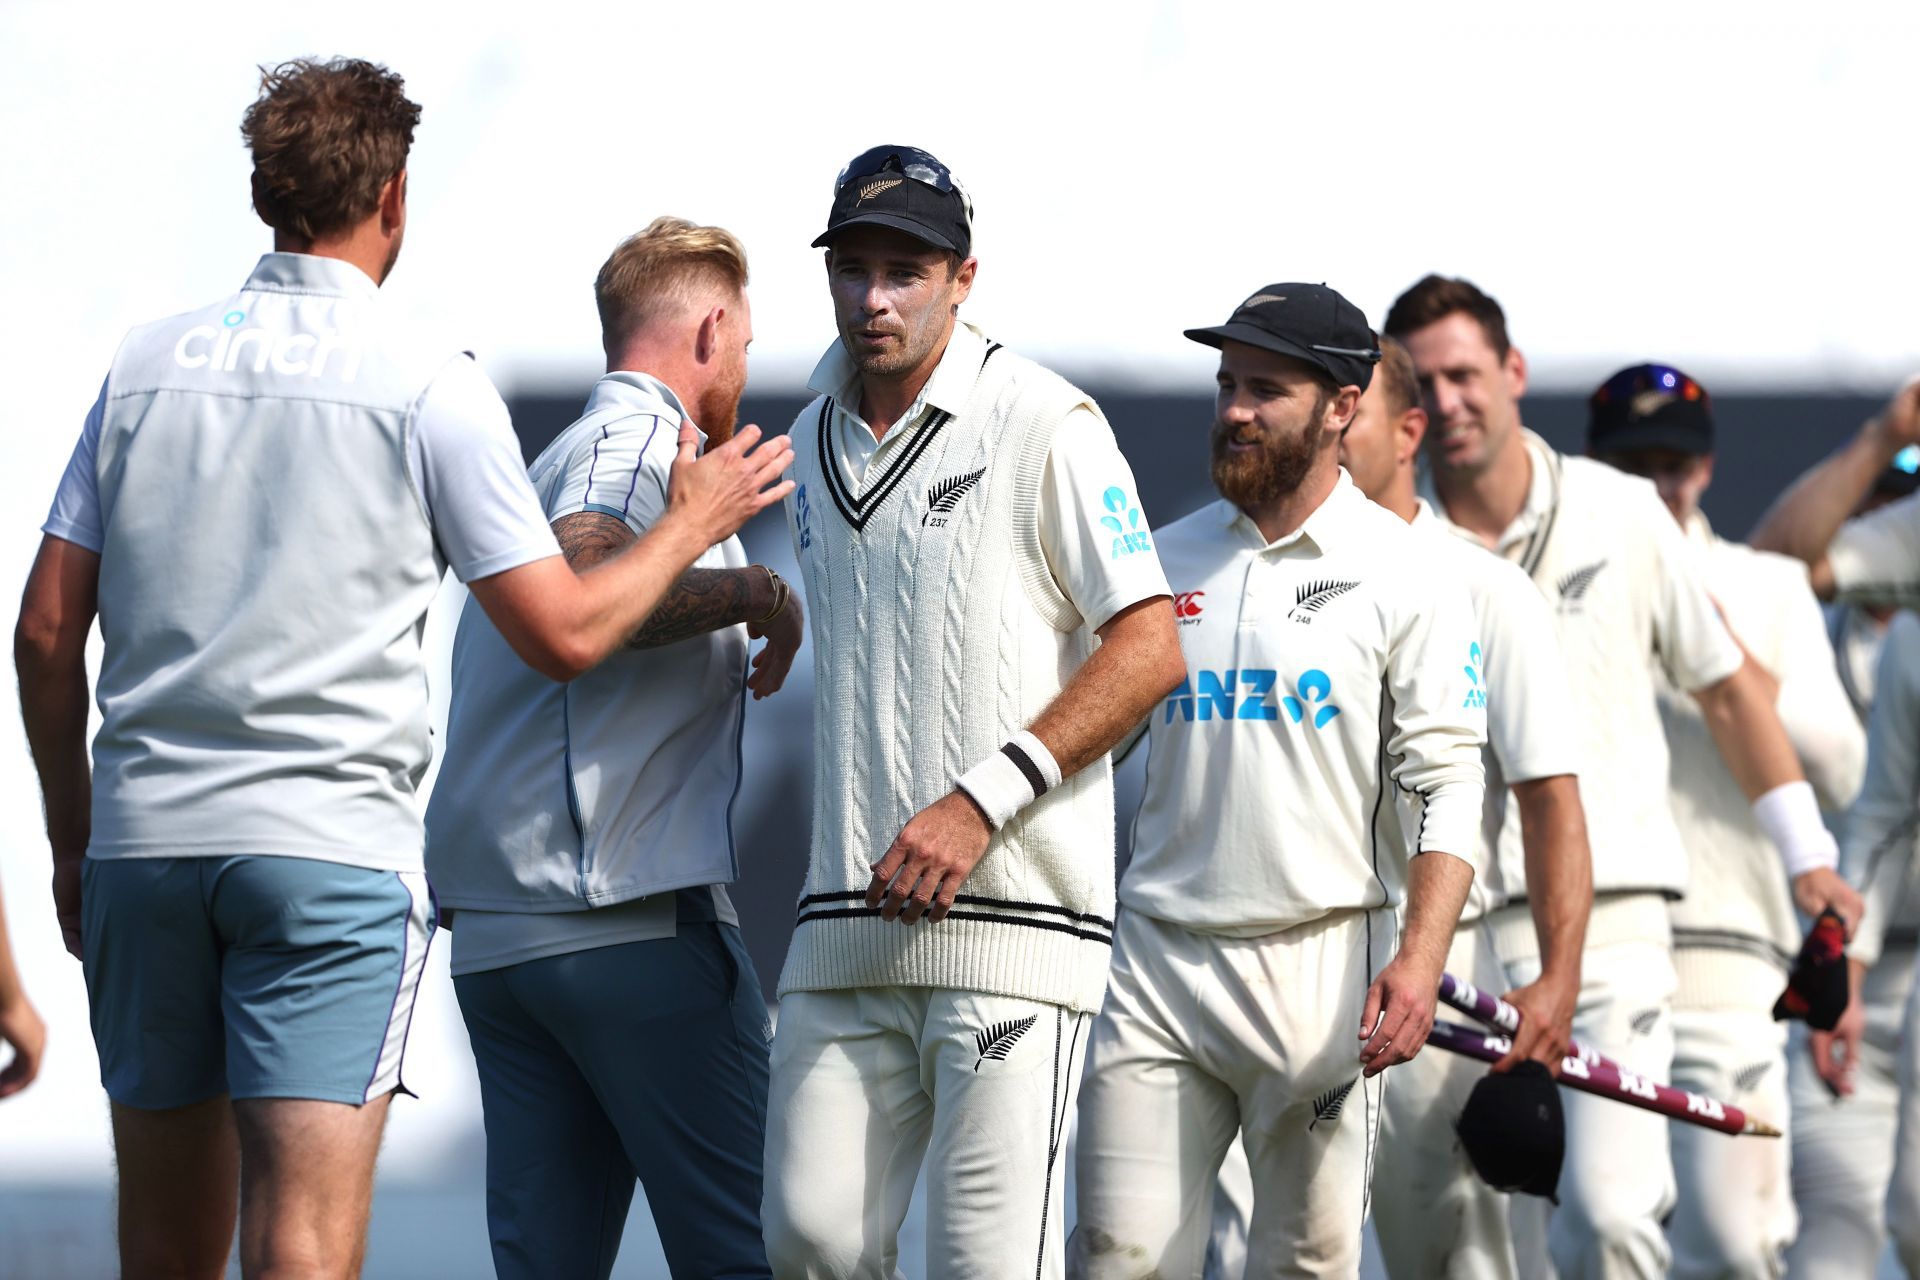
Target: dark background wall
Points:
(1765, 442)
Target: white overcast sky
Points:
(1732, 187)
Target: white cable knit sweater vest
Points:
(939, 632)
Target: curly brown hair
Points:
(326, 137)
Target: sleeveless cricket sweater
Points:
(938, 633)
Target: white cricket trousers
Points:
(1616, 1184)
(870, 1083)
(1856, 1160)
(1734, 1217)
(1434, 1218)
(1204, 1036)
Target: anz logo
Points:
(803, 515)
(1125, 523)
(1247, 694)
(1477, 695)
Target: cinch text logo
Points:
(1477, 695)
(1246, 694)
(1187, 607)
(1131, 532)
(222, 349)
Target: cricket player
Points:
(1734, 934)
(1876, 558)
(1260, 982)
(582, 832)
(1843, 1141)
(989, 618)
(1878, 855)
(1628, 596)
(260, 507)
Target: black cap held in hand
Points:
(1309, 322)
(1513, 1131)
(1817, 987)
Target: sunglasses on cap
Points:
(919, 165)
(1661, 379)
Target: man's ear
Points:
(1412, 429)
(1345, 404)
(393, 202)
(963, 280)
(1516, 367)
(706, 339)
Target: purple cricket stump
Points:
(1607, 1080)
(1486, 1007)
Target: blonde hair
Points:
(1396, 371)
(661, 272)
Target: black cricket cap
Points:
(1309, 322)
(904, 188)
(1514, 1132)
(1650, 406)
(1817, 987)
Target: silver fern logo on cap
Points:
(871, 189)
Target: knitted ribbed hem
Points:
(1721, 978)
(1617, 917)
(1028, 961)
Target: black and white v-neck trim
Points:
(859, 508)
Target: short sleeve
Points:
(1095, 535)
(486, 516)
(1529, 708)
(1696, 649)
(75, 515)
(1439, 715)
(621, 470)
(1877, 557)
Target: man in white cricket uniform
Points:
(1257, 989)
(989, 618)
(1877, 557)
(1734, 934)
(1433, 1214)
(1604, 551)
(582, 832)
(1843, 1141)
(261, 506)
(1879, 851)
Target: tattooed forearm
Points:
(702, 600)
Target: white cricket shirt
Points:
(1530, 733)
(1605, 553)
(1738, 898)
(1877, 557)
(1329, 674)
(1878, 848)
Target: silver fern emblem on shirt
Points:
(945, 496)
(1312, 597)
(997, 1041)
(1749, 1078)
(1573, 586)
(1327, 1105)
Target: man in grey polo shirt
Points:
(259, 509)
(581, 835)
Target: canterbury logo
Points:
(1327, 1105)
(874, 188)
(945, 496)
(1314, 596)
(1574, 585)
(997, 1041)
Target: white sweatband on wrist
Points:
(1011, 778)
(1791, 818)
